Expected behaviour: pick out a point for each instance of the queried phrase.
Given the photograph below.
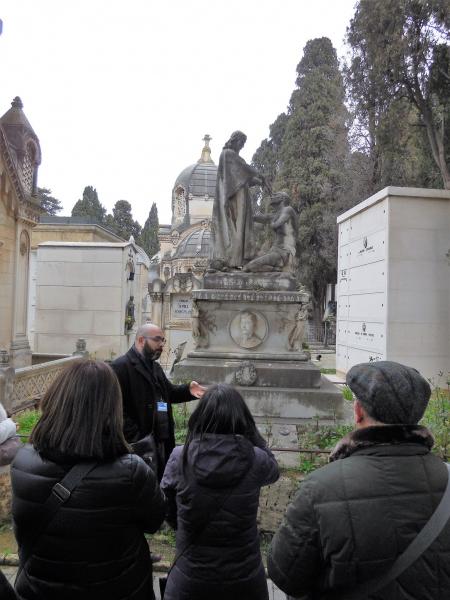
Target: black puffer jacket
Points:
(351, 519)
(95, 547)
(217, 501)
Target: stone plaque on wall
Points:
(181, 307)
(368, 221)
(366, 335)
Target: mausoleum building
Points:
(20, 157)
(179, 266)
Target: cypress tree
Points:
(89, 206)
(149, 236)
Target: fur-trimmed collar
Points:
(381, 435)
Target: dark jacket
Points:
(6, 590)
(143, 384)
(95, 546)
(351, 519)
(216, 501)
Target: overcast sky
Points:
(121, 93)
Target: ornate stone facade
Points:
(177, 270)
(20, 156)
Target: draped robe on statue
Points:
(232, 222)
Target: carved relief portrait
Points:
(248, 329)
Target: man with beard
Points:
(148, 395)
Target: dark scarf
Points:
(381, 435)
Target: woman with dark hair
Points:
(92, 546)
(212, 484)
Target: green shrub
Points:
(347, 393)
(437, 419)
(321, 437)
(181, 418)
(308, 465)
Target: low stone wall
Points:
(22, 388)
(274, 500)
(38, 359)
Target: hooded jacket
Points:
(94, 547)
(216, 497)
(351, 519)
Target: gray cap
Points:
(390, 392)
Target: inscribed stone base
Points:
(280, 391)
(239, 280)
(249, 370)
(249, 330)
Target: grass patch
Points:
(328, 371)
(27, 420)
(321, 437)
(437, 419)
(318, 437)
(8, 544)
(347, 393)
(166, 535)
(308, 465)
(181, 418)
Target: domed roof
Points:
(198, 179)
(194, 245)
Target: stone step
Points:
(264, 373)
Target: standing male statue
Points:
(232, 222)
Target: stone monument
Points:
(249, 318)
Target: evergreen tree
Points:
(89, 206)
(313, 159)
(401, 57)
(315, 146)
(121, 221)
(149, 236)
(267, 157)
(308, 155)
(50, 204)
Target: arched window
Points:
(180, 203)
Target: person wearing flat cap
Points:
(352, 519)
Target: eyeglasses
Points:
(155, 338)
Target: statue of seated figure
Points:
(283, 221)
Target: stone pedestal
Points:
(249, 330)
(20, 352)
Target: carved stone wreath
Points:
(246, 374)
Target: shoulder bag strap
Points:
(60, 493)
(416, 548)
